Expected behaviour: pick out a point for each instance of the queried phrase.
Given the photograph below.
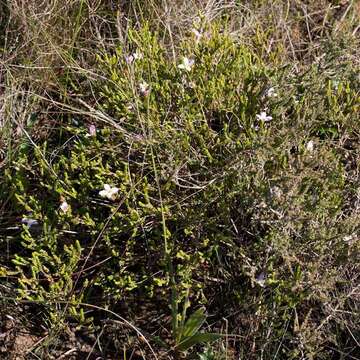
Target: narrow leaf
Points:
(197, 339)
(193, 324)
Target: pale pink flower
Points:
(64, 206)
(129, 59)
(92, 130)
(198, 35)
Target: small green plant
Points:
(187, 334)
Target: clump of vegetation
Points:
(176, 172)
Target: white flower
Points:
(349, 238)
(271, 92)
(137, 55)
(260, 279)
(133, 57)
(144, 88)
(263, 117)
(310, 146)
(64, 206)
(186, 64)
(275, 192)
(29, 222)
(108, 192)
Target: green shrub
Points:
(214, 199)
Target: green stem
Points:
(168, 260)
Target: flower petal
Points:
(103, 193)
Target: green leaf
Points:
(188, 342)
(193, 324)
